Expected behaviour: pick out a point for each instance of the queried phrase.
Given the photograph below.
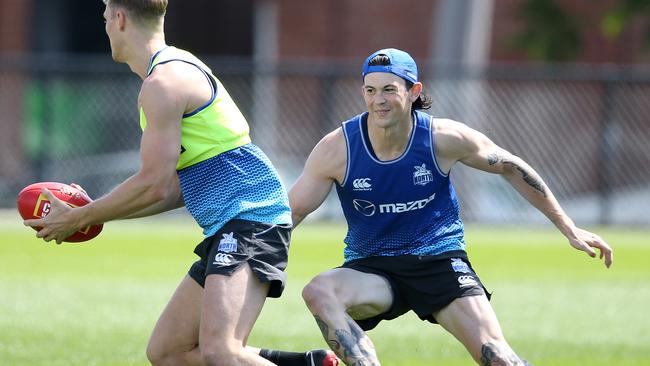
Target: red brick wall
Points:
(14, 25)
(354, 29)
(14, 35)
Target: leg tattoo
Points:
(491, 355)
(352, 345)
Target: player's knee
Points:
(500, 354)
(222, 357)
(318, 290)
(158, 358)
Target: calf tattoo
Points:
(352, 345)
(491, 355)
(527, 175)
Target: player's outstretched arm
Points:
(173, 201)
(324, 166)
(474, 149)
(155, 183)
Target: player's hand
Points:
(587, 241)
(58, 224)
(80, 188)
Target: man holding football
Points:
(196, 151)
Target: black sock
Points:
(282, 358)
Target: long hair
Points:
(424, 101)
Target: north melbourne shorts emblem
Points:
(459, 266)
(228, 244)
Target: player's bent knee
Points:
(316, 291)
(163, 359)
(220, 358)
(160, 354)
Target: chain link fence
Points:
(74, 119)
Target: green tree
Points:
(615, 21)
(550, 33)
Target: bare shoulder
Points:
(161, 83)
(329, 156)
(333, 142)
(452, 139)
(178, 81)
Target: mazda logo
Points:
(366, 208)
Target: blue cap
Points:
(401, 64)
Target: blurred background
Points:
(565, 84)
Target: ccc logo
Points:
(223, 259)
(361, 183)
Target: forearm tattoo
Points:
(528, 176)
(491, 355)
(352, 345)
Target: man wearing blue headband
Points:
(405, 247)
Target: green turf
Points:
(96, 303)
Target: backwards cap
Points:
(401, 64)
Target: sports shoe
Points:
(322, 357)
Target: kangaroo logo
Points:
(228, 244)
(422, 175)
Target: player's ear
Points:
(121, 19)
(415, 91)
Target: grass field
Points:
(96, 303)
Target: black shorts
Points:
(424, 284)
(265, 247)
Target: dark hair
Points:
(424, 101)
(146, 10)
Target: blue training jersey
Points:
(405, 206)
(237, 184)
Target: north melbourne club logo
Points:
(361, 184)
(459, 266)
(228, 244)
(422, 175)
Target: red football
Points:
(33, 205)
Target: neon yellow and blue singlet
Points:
(223, 176)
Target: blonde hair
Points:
(143, 10)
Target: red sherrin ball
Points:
(33, 205)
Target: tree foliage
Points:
(553, 34)
(619, 17)
(550, 33)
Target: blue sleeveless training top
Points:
(397, 207)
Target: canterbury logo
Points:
(223, 259)
(362, 184)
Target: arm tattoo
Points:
(526, 175)
(532, 180)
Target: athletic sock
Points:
(283, 358)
